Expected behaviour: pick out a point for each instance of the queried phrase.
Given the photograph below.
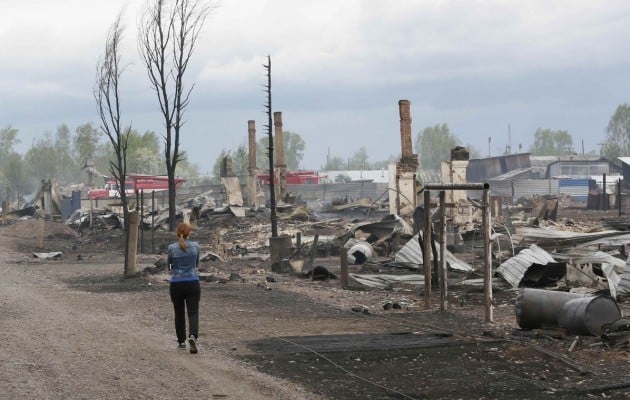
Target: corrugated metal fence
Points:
(578, 189)
(329, 191)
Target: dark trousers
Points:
(185, 297)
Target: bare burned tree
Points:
(168, 33)
(107, 95)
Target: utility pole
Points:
(489, 142)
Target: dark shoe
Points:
(192, 342)
(182, 346)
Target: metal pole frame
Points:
(426, 251)
(487, 254)
(443, 267)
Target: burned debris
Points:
(458, 237)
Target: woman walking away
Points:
(185, 291)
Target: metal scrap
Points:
(411, 254)
(515, 270)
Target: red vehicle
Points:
(306, 177)
(133, 183)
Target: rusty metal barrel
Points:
(585, 316)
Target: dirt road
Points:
(71, 331)
(75, 329)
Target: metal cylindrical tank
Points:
(538, 308)
(360, 252)
(585, 316)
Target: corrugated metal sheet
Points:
(625, 160)
(519, 173)
(623, 287)
(578, 189)
(535, 188)
(500, 188)
(480, 170)
(568, 183)
(381, 175)
(429, 176)
(382, 281)
(513, 270)
(525, 187)
(326, 192)
(616, 271)
(411, 253)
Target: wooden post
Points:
(443, 266)
(132, 245)
(344, 267)
(619, 196)
(153, 222)
(312, 255)
(426, 251)
(298, 241)
(141, 210)
(487, 256)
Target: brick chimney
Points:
(279, 139)
(405, 128)
(280, 167)
(251, 130)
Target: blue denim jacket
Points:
(183, 264)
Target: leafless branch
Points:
(168, 34)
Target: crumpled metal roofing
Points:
(411, 253)
(382, 281)
(616, 271)
(513, 269)
(623, 287)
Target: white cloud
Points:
(470, 62)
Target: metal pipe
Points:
(443, 267)
(487, 256)
(456, 186)
(426, 251)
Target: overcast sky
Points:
(338, 71)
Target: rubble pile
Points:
(533, 244)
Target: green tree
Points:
(145, 161)
(12, 169)
(68, 168)
(385, 163)
(359, 160)
(86, 142)
(294, 146)
(618, 133)
(188, 170)
(434, 145)
(143, 153)
(8, 139)
(42, 158)
(551, 143)
(240, 162)
(15, 178)
(335, 163)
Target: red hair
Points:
(183, 230)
